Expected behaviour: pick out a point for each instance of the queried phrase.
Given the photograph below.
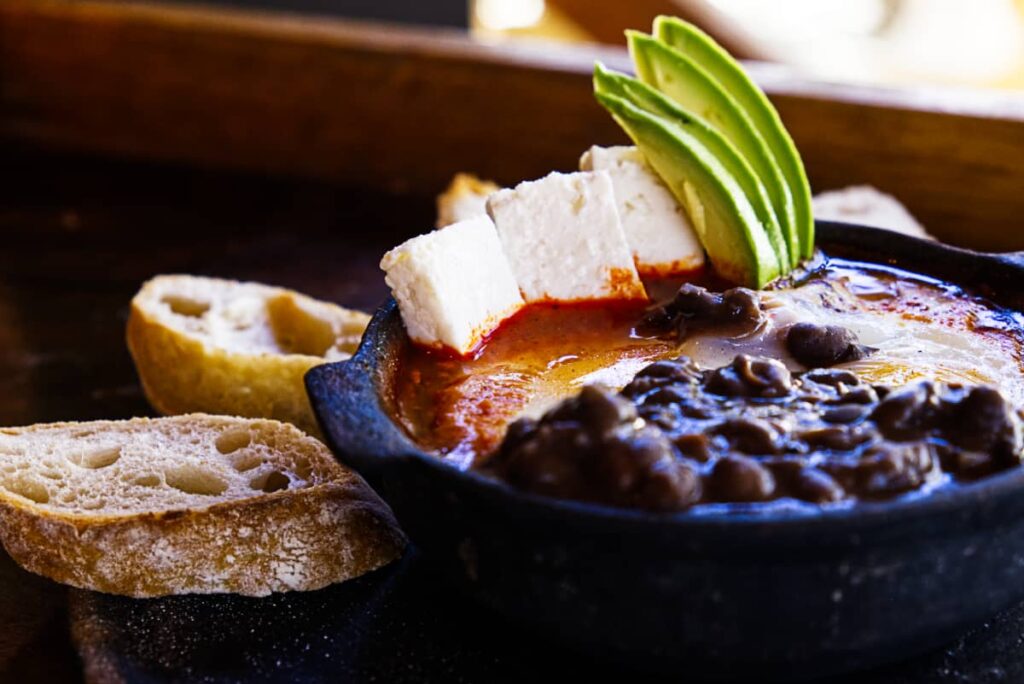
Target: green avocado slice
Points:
(681, 79)
(724, 220)
(650, 100)
(718, 63)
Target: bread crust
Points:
(292, 541)
(289, 540)
(183, 373)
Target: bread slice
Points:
(869, 206)
(464, 198)
(189, 504)
(221, 346)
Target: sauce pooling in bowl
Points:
(915, 328)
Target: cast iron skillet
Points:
(783, 595)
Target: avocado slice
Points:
(724, 219)
(720, 65)
(682, 80)
(650, 100)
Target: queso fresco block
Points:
(657, 230)
(454, 285)
(564, 240)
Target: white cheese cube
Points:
(563, 239)
(658, 232)
(453, 286)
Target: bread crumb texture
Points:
(190, 504)
(221, 346)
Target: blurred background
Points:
(976, 43)
(945, 42)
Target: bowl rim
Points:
(361, 372)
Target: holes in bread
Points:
(192, 479)
(30, 488)
(297, 330)
(272, 481)
(245, 460)
(185, 306)
(233, 440)
(96, 458)
(303, 468)
(150, 480)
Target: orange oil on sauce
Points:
(459, 408)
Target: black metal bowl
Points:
(781, 595)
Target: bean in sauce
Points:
(749, 432)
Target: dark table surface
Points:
(79, 235)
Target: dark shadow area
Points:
(453, 13)
(81, 235)
(401, 624)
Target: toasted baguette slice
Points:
(190, 504)
(464, 198)
(869, 206)
(225, 347)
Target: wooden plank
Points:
(403, 109)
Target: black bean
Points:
(528, 464)
(837, 437)
(968, 464)
(695, 445)
(694, 301)
(749, 435)
(818, 346)
(694, 307)
(698, 408)
(617, 464)
(656, 321)
(601, 411)
(833, 377)
(641, 469)
(886, 469)
(858, 395)
(661, 373)
(984, 421)
(770, 377)
(675, 393)
(518, 431)
(819, 436)
(741, 478)
(751, 376)
(672, 487)
(907, 413)
(682, 369)
(785, 470)
(845, 414)
(743, 306)
(816, 486)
